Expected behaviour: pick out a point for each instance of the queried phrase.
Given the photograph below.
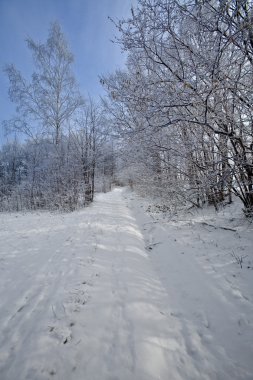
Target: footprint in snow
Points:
(61, 334)
(87, 283)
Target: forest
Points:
(176, 122)
(126, 212)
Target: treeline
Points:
(183, 105)
(42, 175)
(61, 149)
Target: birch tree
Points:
(49, 99)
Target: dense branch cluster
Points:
(183, 106)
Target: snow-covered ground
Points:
(114, 293)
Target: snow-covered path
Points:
(81, 297)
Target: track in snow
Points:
(81, 298)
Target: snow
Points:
(112, 292)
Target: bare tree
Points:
(45, 103)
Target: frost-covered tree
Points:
(54, 168)
(36, 174)
(86, 139)
(46, 102)
(187, 95)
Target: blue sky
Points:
(86, 27)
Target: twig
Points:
(150, 246)
(223, 228)
(238, 259)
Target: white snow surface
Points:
(112, 292)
